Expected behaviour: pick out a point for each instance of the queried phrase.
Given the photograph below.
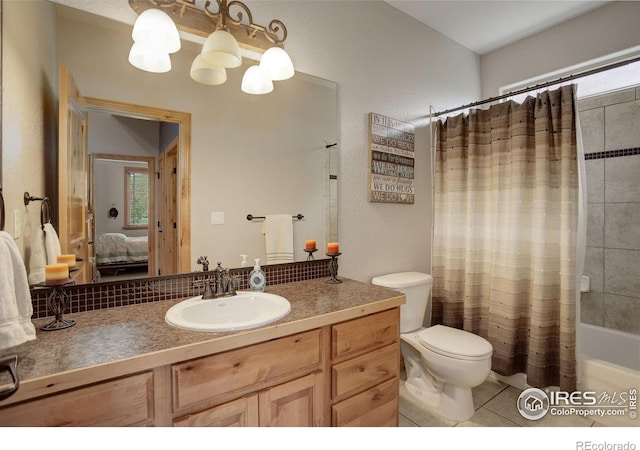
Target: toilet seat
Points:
(454, 343)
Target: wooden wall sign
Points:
(391, 160)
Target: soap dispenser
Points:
(257, 280)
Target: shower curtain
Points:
(505, 232)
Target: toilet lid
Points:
(455, 343)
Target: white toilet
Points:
(442, 363)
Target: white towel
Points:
(16, 308)
(51, 243)
(278, 236)
(37, 258)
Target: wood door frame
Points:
(71, 99)
(161, 213)
(151, 227)
(183, 120)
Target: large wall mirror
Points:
(258, 155)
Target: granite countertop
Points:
(129, 339)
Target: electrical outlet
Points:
(217, 218)
(17, 224)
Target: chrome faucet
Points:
(223, 284)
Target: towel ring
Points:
(1, 211)
(45, 212)
(10, 364)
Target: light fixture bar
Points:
(239, 22)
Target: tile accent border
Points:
(90, 297)
(613, 153)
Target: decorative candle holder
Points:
(57, 302)
(310, 252)
(333, 268)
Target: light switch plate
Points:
(217, 218)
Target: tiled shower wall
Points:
(611, 134)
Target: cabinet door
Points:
(242, 412)
(297, 403)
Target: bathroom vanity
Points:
(333, 361)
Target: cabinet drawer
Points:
(120, 402)
(202, 380)
(242, 412)
(375, 407)
(359, 335)
(364, 371)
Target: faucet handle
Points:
(205, 263)
(231, 283)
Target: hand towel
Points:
(52, 243)
(278, 231)
(37, 257)
(16, 308)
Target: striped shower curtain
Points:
(505, 233)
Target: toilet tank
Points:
(416, 286)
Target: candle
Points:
(56, 273)
(310, 244)
(333, 248)
(69, 260)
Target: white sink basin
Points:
(240, 312)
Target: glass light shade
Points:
(149, 59)
(277, 64)
(255, 81)
(222, 50)
(155, 29)
(205, 73)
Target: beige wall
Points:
(604, 31)
(382, 61)
(28, 112)
(388, 63)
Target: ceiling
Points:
(483, 26)
(480, 25)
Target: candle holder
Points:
(310, 252)
(57, 302)
(333, 268)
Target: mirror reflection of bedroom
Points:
(132, 194)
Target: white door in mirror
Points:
(240, 312)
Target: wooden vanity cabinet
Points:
(274, 383)
(126, 401)
(344, 374)
(365, 367)
(295, 403)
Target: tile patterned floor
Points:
(495, 406)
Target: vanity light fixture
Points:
(226, 29)
(155, 36)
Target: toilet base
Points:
(454, 403)
(448, 400)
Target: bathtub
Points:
(609, 361)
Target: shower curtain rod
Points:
(540, 85)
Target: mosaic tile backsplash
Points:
(89, 297)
